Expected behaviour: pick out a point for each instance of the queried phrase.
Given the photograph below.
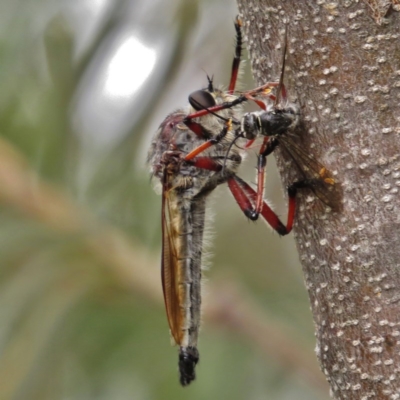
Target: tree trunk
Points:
(343, 69)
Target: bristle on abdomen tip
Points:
(188, 358)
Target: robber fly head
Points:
(201, 99)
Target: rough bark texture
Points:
(344, 71)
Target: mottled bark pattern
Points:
(379, 8)
(344, 71)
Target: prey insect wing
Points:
(320, 180)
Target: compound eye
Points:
(201, 99)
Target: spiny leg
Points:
(267, 147)
(209, 142)
(245, 196)
(238, 54)
(281, 93)
(205, 163)
(257, 197)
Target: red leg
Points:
(245, 196)
(267, 147)
(211, 142)
(261, 103)
(240, 196)
(291, 211)
(206, 163)
(249, 143)
(195, 152)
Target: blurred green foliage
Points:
(72, 326)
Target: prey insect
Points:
(276, 124)
(191, 155)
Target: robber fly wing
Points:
(169, 265)
(323, 184)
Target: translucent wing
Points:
(170, 264)
(322, 182)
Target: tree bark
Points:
(343, 69)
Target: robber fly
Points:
(191, 154)
(186, 180)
